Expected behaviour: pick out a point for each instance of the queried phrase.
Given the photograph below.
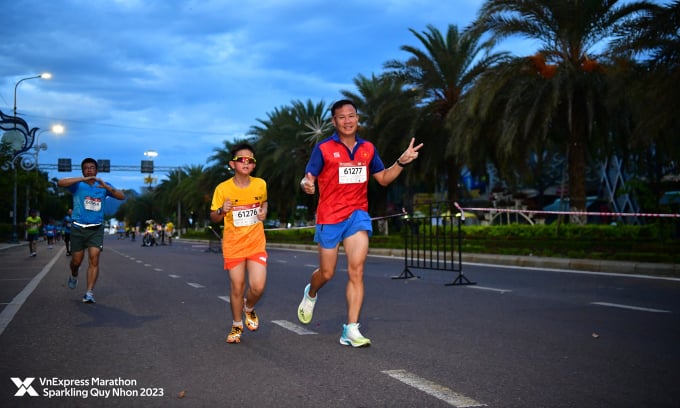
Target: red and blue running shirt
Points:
(342, 177)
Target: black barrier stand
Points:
(214, 248)
(434, 246)
(460, 279)
(406, 273)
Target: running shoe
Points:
(235, 334)
(33, 254)
(352, 337)
(88, 298)
(252, 322)
(72, 281)
(306, 308)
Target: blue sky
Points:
(180, 77)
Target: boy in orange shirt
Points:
(241, 203)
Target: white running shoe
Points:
(306, 308)
(351, 336)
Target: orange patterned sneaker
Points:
(235, 334)
(252, 322)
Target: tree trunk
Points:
(452, 179)
(577, 164)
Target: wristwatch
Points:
(219, 211)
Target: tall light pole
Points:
(57, 129)
(179, 204)
(45, 75)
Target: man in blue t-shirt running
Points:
(87, 225)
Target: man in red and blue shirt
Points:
(342, 164)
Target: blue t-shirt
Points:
(88, 202)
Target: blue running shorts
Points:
(330, 235)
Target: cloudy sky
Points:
(180, 77)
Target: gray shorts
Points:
(87, 237)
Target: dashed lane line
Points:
(195, 285)
(488, 288)
(7, 314)
(438, 391)
(642, 309)
(293, 327)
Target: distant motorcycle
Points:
(149, 239)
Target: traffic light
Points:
(147, 166)
(103, 166)
(64, 165)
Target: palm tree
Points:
(442, 73)
(558, 93)
(524, 153)
(169, 197)
(650, 88)
(196, 189)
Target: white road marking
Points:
(438, 391)
(225, 298)
(7, 314)
(643, 309)
(158, 269)
(488, 288)
(310, 266)
(293, 327)
(195, 285)
(173, 276)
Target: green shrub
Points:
(638, 243)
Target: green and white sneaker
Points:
(306, 308)
(352, 337)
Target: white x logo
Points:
(24, 386)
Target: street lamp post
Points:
(57, 129)
(44, 75)
(15, 239)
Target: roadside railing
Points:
(434, 241)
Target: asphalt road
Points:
(520, 337)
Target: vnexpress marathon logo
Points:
(24, 387)
(94, 387)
